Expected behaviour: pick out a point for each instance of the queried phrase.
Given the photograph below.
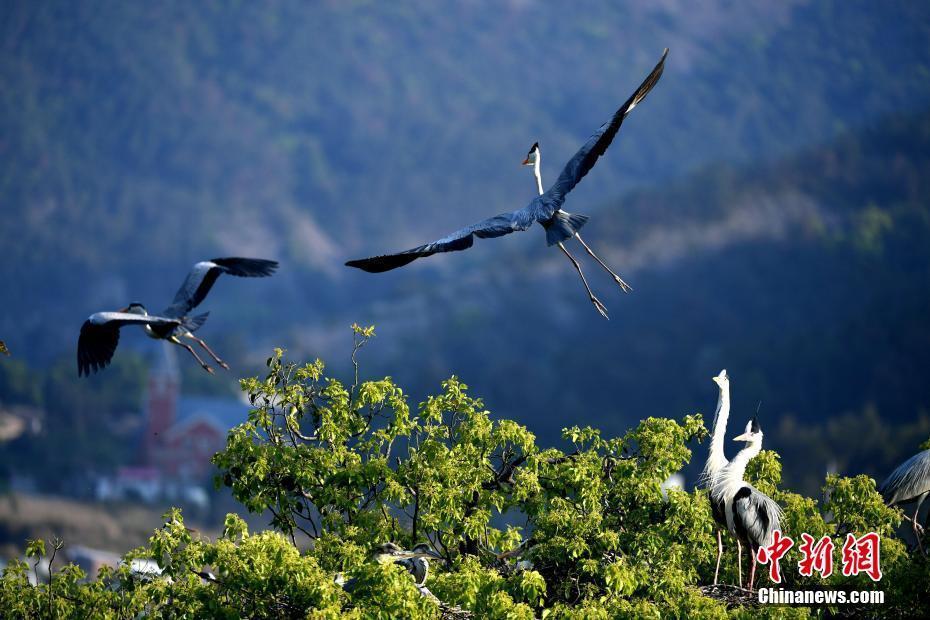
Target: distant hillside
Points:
(136, 138)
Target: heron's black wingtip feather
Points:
(247, 267)
(96, 346)
(380, 264)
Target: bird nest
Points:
(731, 596)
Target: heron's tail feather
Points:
(563, 226)
(194, 323)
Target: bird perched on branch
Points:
(416, 561)
(909, 482)
(100, 332)
(418, 564)
(546, 209)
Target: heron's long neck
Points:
(734, 471)
(716, 459)
(538, 174)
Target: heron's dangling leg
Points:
(626, 288)
(208, 350)
(175, 340)
(594, 300)
(739, 561)
(719, 555)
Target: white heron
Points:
(716, 462)
(752, 516)
(909, 482)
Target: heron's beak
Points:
(429, 554)
(743, 437)
(526, 162)
(126, 309)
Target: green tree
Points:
(344, 467)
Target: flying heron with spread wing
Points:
(100, 332)
(546, 209)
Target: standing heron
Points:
(909, 482)
(100, 332)
(752, 516)
(716, 462)
(546, 209)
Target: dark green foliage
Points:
(345, 467)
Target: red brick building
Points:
(184, 432)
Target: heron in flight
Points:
(909, 482)
(100, 332)
(716, 462)
(752, 516)
(546, 209)
(532, 159)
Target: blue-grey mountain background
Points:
(769, 202)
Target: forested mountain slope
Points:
(137, 138)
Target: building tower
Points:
(161, 402)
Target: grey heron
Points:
(546, 209)
(416, 561)
(100, 332)
(909, 482)
(533, 158)
(418, 564)
(752, 516)
(717, 461)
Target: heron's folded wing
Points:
(908, 481)
(100, 335)
(202, 276)
(759, 514)
(582, 162)
(496, 226)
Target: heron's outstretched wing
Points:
(582, 162)
(100, 335)
(201, 278)
(496, 226)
